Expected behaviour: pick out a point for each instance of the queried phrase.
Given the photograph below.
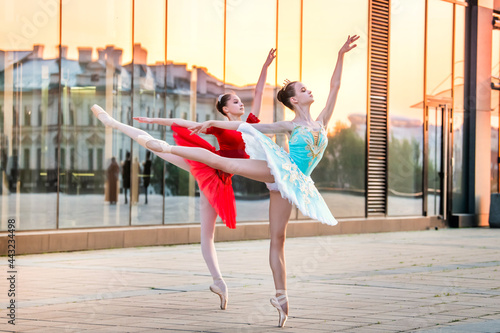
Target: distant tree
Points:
(343, 163)
(405, 166)
(176, 179)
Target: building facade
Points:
(414, 134)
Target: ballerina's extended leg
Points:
(208, 218)
(142, 137)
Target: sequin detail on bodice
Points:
(307, 147)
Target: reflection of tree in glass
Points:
(405, 167)
(343, 163)
(248, 189)
(176, 179)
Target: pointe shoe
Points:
(277, 302)
(160, 147)
(102, 115)
(223, 297)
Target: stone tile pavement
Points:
(444, 280)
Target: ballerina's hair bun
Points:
(221, 102)
(285, 93)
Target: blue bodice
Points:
(291, 170)
(307, 147)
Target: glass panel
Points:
(146, 182)
(406, 107)
(435, 156)
(251, 27)
(439, 93)
(340, 176)
(28, 113)
(288, 56)
(288, 60)
(459, 164)
(96, 70)
(195, 49)
(495, 72)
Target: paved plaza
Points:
(445, 280)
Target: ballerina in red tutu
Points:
(216, 195)
(215, 184)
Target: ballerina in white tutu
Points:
(287, 172)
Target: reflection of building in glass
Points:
(86, 82)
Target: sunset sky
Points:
(196, 32)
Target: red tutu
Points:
(215, 184)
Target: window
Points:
(91, 159)
(100, 157)
(40, 115)
(26, 159)
(72, 159)
(63, 159)
(71, 115)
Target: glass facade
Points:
(340, 174)
(60, 168)
(495, 120)
(245, 20)
(458, 183)
(95, 69)
(438, 98)
(29, 97)
(406, 80)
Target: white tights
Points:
(208, 217)
(207, 212)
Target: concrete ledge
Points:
(30, 242)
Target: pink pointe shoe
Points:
(158, 146)
(223, 296)
(277, 302)
(102, 115)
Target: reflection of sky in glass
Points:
(195, 37)
(196, 34)
(111, 24)
(288, 45)
(439, 50)
(495, 71)
(24, 23)
(406, 59)
(149, 28)
(321, 43)
(459, 45)
(251, 33)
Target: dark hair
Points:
(285, 93)
(221, 102)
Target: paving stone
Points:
(385, 282)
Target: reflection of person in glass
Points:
(112, 175)
(271, 164)
(13, 172)
(126, 168)
(134, 186)
(216, 195)
(146, 174)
